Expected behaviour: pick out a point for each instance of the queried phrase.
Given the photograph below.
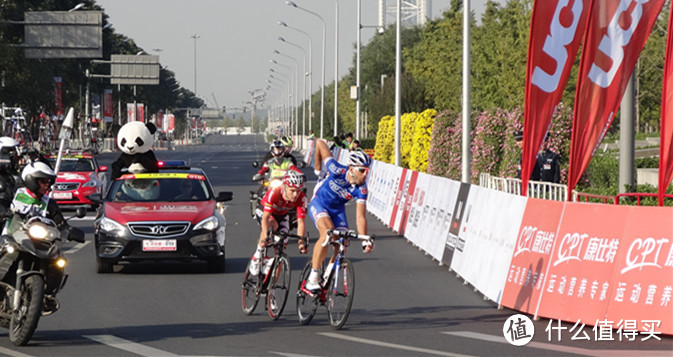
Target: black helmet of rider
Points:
(9, 156)
(34, 171)
(277, 148)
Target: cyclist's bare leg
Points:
(320, 252)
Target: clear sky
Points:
(237, 38)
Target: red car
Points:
(78, 176)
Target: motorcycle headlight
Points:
(110, 226)
(40, 231)
(61, 262)
(209, 224)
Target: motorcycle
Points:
(32, 271)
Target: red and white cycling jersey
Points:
(274, 202)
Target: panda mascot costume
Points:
(135, 139)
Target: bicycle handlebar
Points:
(335, 233)
(281, 237)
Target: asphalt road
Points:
(405, 304)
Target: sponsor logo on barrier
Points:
(602, 250)
(605, 330)
(518, 330)
(646, 252)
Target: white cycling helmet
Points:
(294, 179)
(34, 171)
(359, 158)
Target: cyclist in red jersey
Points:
(277, 203)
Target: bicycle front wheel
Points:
(306, 304)
(340, 294)
(279, 288)
(249, 288)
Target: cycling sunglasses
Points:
(362, 170)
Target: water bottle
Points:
(328, 270)
(268, 262)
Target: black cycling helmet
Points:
(277, 148)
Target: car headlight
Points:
(110, 226)
(210, 223)
(91, 183)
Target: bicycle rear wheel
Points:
(279, 288)
(340, 294)
(306, 304)
(249, 288)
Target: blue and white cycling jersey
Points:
(334, 190)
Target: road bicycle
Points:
(47, 136)
(337, 287)
(273, 280)
(92, 138)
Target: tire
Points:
(24, 320)
(279, 288)
(104, 268)
(249, 297)
(340, 295)
(306, 304)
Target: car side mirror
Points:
(255, 164)
(102, 168)
(96, 198)
(301, 164)
(225, 196)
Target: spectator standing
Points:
(548, 163)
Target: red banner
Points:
(556, 31)
(58, 95)
(108, 108)
(579, 281)
(643, 281)
(615, 36)
(665, 147)
(532, 252)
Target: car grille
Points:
(66, 186)
(159, 229)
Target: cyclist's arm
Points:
(321, 153)
(265, 226)
(361, 217)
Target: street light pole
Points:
(310, 73)
(322, 89)
(296, 123)
(294, 91)
(336, 64)
(195, 36)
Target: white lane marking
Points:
(290, 354)
(13, 353)
(560, 348)
(129, 346)
(391, 345)
(76, 248)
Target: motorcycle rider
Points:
(9, 165)
(287, 143)
(32, 199)
(277, 164)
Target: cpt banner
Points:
(615, 37)
(556, 31)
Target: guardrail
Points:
(536, 189)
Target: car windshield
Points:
(74, 164)
(160, 188)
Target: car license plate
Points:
(62, 195)
(159, 245)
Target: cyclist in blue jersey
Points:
(339, 185)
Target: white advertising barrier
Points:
(486, 239)
(414, 228)
(435, 228)
(394, 177)
(378, 189)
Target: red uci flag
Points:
(665, 147)
(615, 36)
(556, 31)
